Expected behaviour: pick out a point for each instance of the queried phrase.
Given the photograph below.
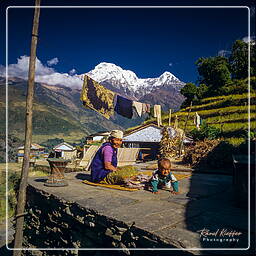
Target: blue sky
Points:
(146, 41)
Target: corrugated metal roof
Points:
(132, 130)
(148, 134)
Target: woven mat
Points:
(178, 176)
(118, 187)
(151, 166)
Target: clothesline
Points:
(98, 98)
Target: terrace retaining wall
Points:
(55, 223)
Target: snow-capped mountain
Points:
(127, 82)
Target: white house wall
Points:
(97, 138)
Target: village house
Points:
(147, 137)
(65, 151)
(36, 151)
(97, 137)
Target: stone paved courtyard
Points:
(206, 202)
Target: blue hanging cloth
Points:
(123, 107)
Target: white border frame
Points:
(131, 7)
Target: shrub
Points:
(13, 183)
(236, 142)
(206, 132)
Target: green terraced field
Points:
(228, 113)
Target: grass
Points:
(234, 96)
(218, 116)
(218, 111)
(213, 102)
(228, 101)
(235, 141)
(229, 117)
(14, 170)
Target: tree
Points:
(206, 132)
(214, 72)
(201, 91)
(253, 58)
(239, 60)
(189, 91)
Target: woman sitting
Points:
(105, 160)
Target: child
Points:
(163, 176)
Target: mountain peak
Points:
(169, 75)
(128, 82)
(105, 64)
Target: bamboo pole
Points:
(170, 117)
(28, 135)
(185, 128)
(175, 122)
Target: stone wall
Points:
(52, 222)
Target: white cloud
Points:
(72, 72)
(248, 39)
(224, 53)
(170, 64)
(44, 74)
(53, 61)
(2, 70)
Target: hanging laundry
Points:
(123, 107)
(138, 106)
(155, 110)
(145, 108)
(157, 114)
(201, 120)
(97, 97)
(197, 121)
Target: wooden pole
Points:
(175, 122)
(185, 128)
(170, 116)
(28, 135)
